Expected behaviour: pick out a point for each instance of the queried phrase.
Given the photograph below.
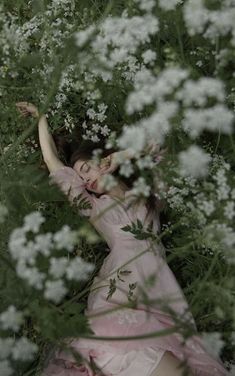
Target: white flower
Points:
(24, 349)
(17, 242)
(223, 188)
(140, 187)
(3, 212)
(95, 127)
(44, 243)
(169, 4)
(82, 36)
(207, 206)
(149, 56)
(95, 138)
(65, 238)
(194, 162)
(108, 181)
(105, 130)
(58, 266)
(156, 127)
(150, 89)
(198, 92)
(213, 23)
(145, 162)
(195, 16)
(126, 169)
(229, 211)
(5, 347)
(233, 194)
(78, 269)
(217, 118)
(213, 343)
(55, 290)
(146, 5)
(33, 221)
(11, 319)
(132, 137)
(31, 274)
(5, 368)
(91, 113)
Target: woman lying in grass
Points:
(135, 293)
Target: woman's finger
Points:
(22, 103)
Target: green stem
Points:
(232, 142)
(218, 141)
(180, 41)
(160, 333)
(214, 260)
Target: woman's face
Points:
(91, 174)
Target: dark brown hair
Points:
(71, 150)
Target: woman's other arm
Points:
(47, 144)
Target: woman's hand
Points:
(27, 109)
(108, 165)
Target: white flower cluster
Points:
(149, 89)
(126, 168)
(117, 39)
(149, 56)
(223, 187)
(175, 197)
(213, 343)
(207, 206)
(210, 23)
(146, 5)
(20, 349)
(194, 161)
(133, 66)
(99, 116)
(229, 210)
(69, 123)
(3, 212)
(15, 36)
(26, 253)
(58, 6)
(141, 188)
(198, 92)
(108, 181)
(133, 137)
(217, 118)
(169, 4)
(82, 36)
(11, 319)
(202, 201)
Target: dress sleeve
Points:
(73, 186)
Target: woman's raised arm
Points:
(47, 144)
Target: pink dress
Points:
(129, 357)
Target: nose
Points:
(87, 180)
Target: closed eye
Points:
(88, 169)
